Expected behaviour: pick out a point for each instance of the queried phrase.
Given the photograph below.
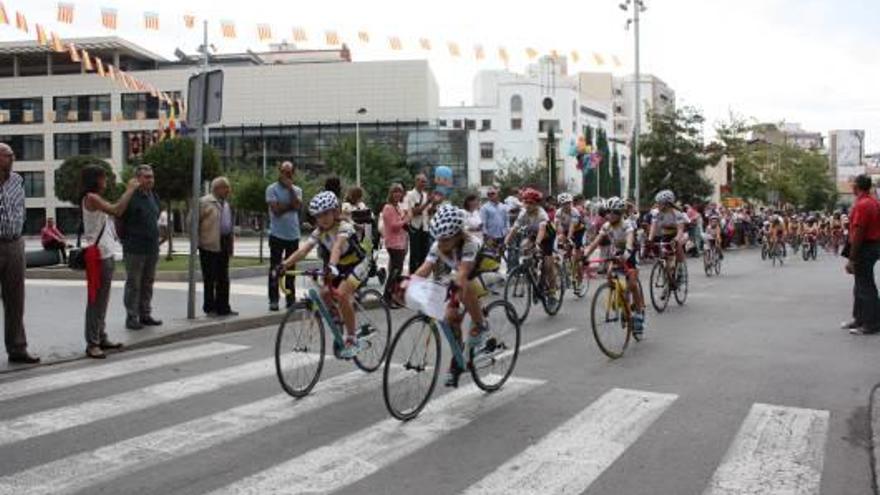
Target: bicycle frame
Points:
(313, 301)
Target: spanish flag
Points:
(364, 36)
(74, 54)
(264, 32)
(87, 61)
(395, 43)
(100, 67)
(227, 28)
(189, 21)
(42, 39)
(111, 72)
(21, 22)
(531, 53)
(151, 21)
(108, 18)
(172, 122)
(332, 38)
(4, 19)
(65, 13)
(299, 35)
(57, 46)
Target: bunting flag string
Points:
(87, 62)
(151, 21)
(74, 55)
(108, 18)
(299, 35)
(364, 36)
(21, 22)
(395, 43)
(42, 39)
(264, 32)
(227, 29)
(65, 13)
(4, 19)
(332, 38)
(56, 43)
(189, 21)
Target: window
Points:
(486, 125)
(34, 184)
(470, 125)
(487, 151)
(34, 220)
(546, 125)
(618, 109)
(135, 143)
(574, 108)
(516, 104)
(456, 124)
(516, 124)
(21, 111)
(574, 127)
(28, 147)
(442, 123)
(487, 177)
(85, 143)
(142, 106)
(82, 108)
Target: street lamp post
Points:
(357, 145)
(638, 8)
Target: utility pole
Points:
(638, 8)
(196, 191)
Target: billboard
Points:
(848, 149)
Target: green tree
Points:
(749, 158)
(250, 197)
(519, 173)
(172, 161)
(604, 167)
(589, 174)
(674, 156)
(615, 173)
(67, 178)
(381, 166)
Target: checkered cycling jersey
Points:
(622, 235)
(531, 223)
(352, 253)
(446, 265)
(566, 218)
(667, 222)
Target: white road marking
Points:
(77, 472)
(89, 374)
(571, 457)
(363, 453)
(777, 450)
(548, 339)
(62, 418)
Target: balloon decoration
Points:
(443, 180)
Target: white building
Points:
(514, 115)
(283, 104)
(619, 94)
(846, 157)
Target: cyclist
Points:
(346, 262)
(811, 231)
(621, 233)
(579, 224)
(455, 256)
(536, 224)
(777, 233)
(668, 225)
(712, 235)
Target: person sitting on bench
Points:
(53, 239)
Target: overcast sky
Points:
(814, 62)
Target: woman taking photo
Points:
(100, 235)
(473, 222)
(394, 221)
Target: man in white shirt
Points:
(418, 202)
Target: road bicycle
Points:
(665, 282)
(414, 358)
(611, 312)
(300, 342)
(577, 274)
(526, 285)
(776, 253)
(811, 249)
(711, 259)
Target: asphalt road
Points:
(748, 388)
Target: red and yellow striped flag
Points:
(598, 59)
(21, 22)
(42, 39)
(575, 56)
(425, 43)
(151, 21)
(74, 54)
(616, 60)
(227, 29)
(65, 13)
(108, 18)
(111, 72)
(99, 65)
(395, 43)
(531, 53)
(503, 55)
(56, 43)
(4, 19)
(299, 34)
(453, 49)
(126, 80)
(264, 32)
(332, 38)
(479, 53)
(189, 21)
(154, 92)
(87, 62)
(364, 36)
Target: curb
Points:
(119, 275)
(874, 431)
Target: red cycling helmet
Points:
(530, 194)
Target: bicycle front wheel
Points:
(555, 291)
(299, 351)
(411, 368)
(518, 292)
(717, 263)
(580, 284)
(373, 323)
(492, 365)
(609, 322)
(681, 285)
(659, 287)
(708, 263)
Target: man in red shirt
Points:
(53, 240)
(864, 250)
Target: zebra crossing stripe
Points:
(79, 471)
(62, 418)
(89, 374)
(777, 450)
(357, 456)
(571, 457)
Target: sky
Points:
(813, 62)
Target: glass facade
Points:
(142, 106)
(27, 147)
(34, 220)
(82, 143)
(34, 184)
(82, 108)
(21, 110)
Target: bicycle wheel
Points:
(580, 283)
(717, 264)
(518, 292)
(373, 323)
(611, 328)
(299, 350)
(814, 252)
(681, 289)
(554, 294)
(659, 287)
(494, 363)
(764, 251)
(412, 368)
(708, 263)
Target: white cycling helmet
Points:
(447, 222)
(323, 201)
(564, 198)
(665, 197)
(615, 204)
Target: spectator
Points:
(494, 218)
(285, 201)
(12, 214)
(417, 203)
(53, 239)
(394, 220)
(216, 233)
(99, 232)
(864, 250)
(163, 227)
(354, 200)
(334, 185)
(140, 248)
(474, 221)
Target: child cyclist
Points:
(345, 261)
(540, 230)
(712, 235)
(622, 235)
(455, 256)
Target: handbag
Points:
(76, 258)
